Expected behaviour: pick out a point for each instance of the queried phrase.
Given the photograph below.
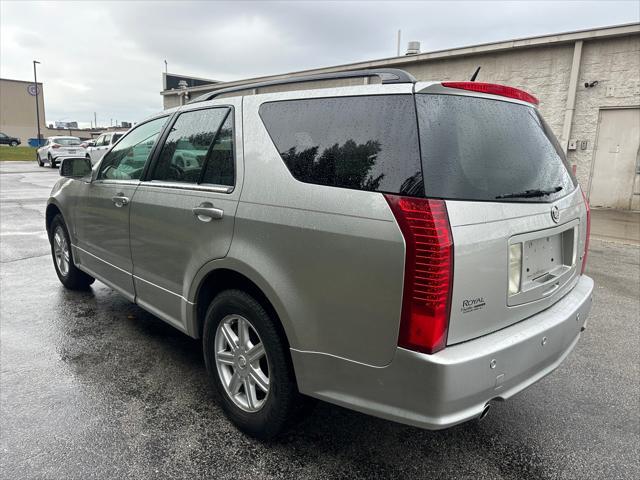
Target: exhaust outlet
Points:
(485, 412)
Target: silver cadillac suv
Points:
(411, 250)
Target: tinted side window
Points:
(363, 143)
(219, 169)
(126, 160)
(189, 145)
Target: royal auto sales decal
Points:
(472, 304)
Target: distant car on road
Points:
(56, 149)
(96, 151)
(9, 140)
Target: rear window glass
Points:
(67, 141)
(482, 149)
(363, 143)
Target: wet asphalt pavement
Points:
(92, 386)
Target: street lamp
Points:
(35, 81)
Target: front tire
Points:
(70, 276)
(248, 362)
(13, 144)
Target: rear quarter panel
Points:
(334, 257)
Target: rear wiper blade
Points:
(531, 193)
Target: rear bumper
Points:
(454, 385)
(59, 158)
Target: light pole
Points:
(35, 80)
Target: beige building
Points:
(588, 83)
(18, 109)
(18, 113)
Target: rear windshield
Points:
(362, 143)
(67, 141)
(482, 149)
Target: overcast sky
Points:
(109, 57)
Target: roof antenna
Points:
(475, 74)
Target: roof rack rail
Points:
(386, 76)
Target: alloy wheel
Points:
(61, 251)
(242, 363)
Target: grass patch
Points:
(17, 153)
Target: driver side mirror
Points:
(75, 167)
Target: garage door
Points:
(616, 161)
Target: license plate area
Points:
(548, 262)
(541, 256)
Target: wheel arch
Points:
(50, 214)
(225, 277)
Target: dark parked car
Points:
(8, 140)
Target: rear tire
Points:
(52, 163)
(13, 143)
(70, 276)
(270, 412)
(39, 160)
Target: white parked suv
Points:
(56, 149)
(103, 143)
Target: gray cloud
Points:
(108, 56)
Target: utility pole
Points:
(35, 80)
(95, 120)
(399, 35)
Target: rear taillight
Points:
(428, 272)
(493, 89)
(55, 145)
(586, 240)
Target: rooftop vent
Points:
(413, 48)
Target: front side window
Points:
(363, 143)
(198, 149)
(127, 159)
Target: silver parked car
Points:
(411, 250)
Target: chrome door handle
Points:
(120, 200)
(207, 212)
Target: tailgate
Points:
(71, 150)
(484, 233)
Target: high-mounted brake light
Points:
(493, 89)
(586, 240)
(428, 275)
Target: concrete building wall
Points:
(18, 109)
(615, 64)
